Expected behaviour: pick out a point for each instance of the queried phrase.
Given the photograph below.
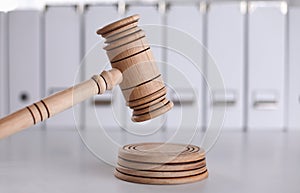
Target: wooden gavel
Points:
(133, 68)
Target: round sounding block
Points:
(161, 163)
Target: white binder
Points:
(294, 69)
(266, 66)
(62, 57)
(226, 46)
(24, 57)
(3, 66)
(184, 78)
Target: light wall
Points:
(255, 51)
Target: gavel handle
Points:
(58, 102)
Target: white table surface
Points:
(56, 161)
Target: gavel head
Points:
(142, 86)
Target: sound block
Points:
(161, 163)
(161, 166)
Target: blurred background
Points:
(48, 45)
(254, 44)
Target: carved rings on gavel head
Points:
(128, 51)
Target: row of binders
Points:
(254, 46)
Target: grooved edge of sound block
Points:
(161, 166)
(161, 181)
(161, 174)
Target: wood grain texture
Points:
(122, 34)
(124, 41)
(160, 181)
(161, 166)
(153, 113)
(150, 108)
(117, 25)
(121, 29)
(129, 69)
(161, 153)
(161, 163)
(148, 104)
(58, 102)
(128, 50)
(148, 99)
(161, 174)
(142, 90)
